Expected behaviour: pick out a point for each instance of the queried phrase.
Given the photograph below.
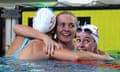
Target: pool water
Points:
(8, 64)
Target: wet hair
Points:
(65, 12)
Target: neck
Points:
(68, 45)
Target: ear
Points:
(95, 48)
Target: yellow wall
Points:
(26, 15)
(106, 20)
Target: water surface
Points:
(8, 64)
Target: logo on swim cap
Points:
(44, 20)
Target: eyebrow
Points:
(87, 37)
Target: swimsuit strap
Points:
(16, 53)
(74, 50)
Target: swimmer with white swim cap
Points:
(44, 20)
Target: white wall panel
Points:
(110, 1)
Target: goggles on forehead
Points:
(86, 30)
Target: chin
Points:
(66, 41)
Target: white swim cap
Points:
(44, 20)
(93, 29)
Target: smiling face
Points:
(66, 27)
(85, 41)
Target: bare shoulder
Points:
(14, 45)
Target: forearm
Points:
(93, 56)
(103, 53)
(27, 31)
(64, 54)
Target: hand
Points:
(50, 45)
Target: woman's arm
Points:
(82, 55)
(103, 53)
(30, 32)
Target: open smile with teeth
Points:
(66, 34)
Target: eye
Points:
(71, 25)
(78, 40)
(86, 41)
(62, 24)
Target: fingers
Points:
(45, 47)
(52, 49)
(50, 46)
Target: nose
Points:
(66, 28)
(81, 46)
